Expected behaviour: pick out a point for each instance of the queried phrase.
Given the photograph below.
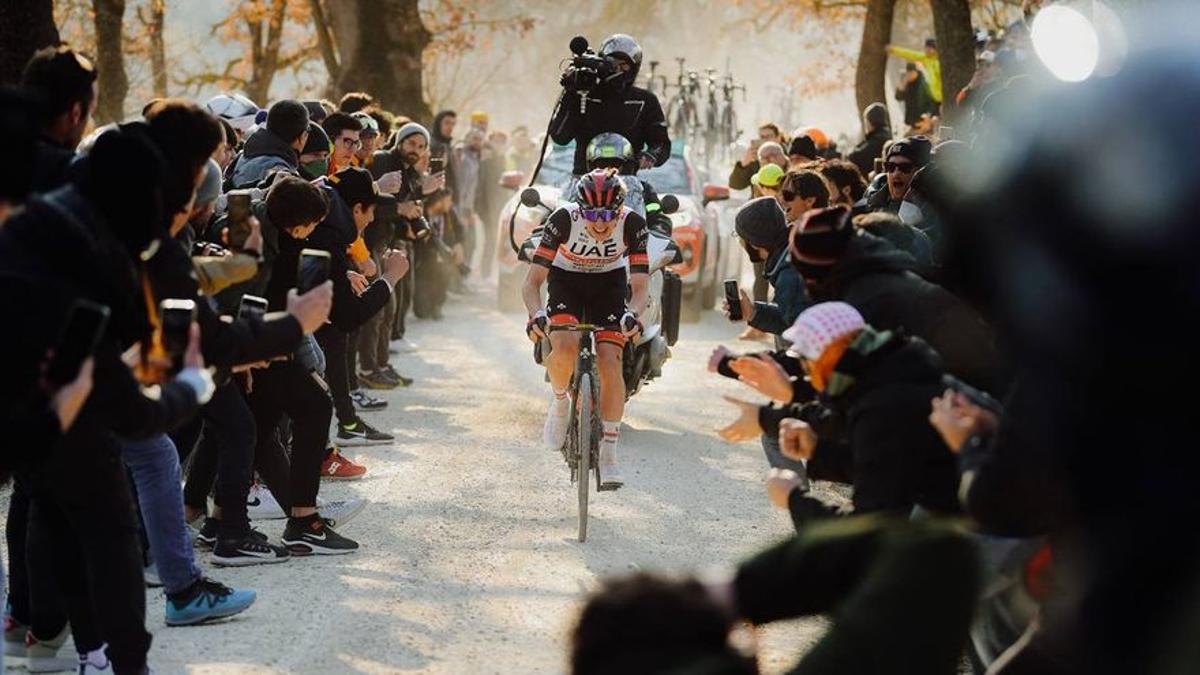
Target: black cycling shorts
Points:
(582, 297)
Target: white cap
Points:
(820, 326)
(236, 109)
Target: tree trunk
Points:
(158, 51)
(264, 57)
(956, 49)
(872, 55)
(325, 42)
(25, 27)
(113, 84)
(385, 60)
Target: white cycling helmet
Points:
(234, 108)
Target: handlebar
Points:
(574, 328)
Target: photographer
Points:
(599, 95)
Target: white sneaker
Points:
(554, 434)
(262, 505)
(611, 476)
(403, 346)
(338, 512)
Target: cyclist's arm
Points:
(531, 291)
(637, 234)
(554, 232)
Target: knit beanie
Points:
(318, 140)
(761, 222)
(818, 240)
(210, 187)
(804, 146)
(410, 129)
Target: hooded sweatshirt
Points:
(264, 153)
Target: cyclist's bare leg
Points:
(560, 363)
(612, 407)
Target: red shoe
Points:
(337, 467)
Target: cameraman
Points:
(613, 103)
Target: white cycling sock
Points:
(560, 397)
(612, 432)
(97, 657)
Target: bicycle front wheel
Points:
(586, 430)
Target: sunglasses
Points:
(789, 195)
(599, 215)
(906, 167)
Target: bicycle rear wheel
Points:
(586, 431)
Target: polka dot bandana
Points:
(820, 326)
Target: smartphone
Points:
(238, 208)
(85, 324)
(878, 166)
(437, 164)
(976, 396)
(176, 317)
(734, 297)
(313, 270)
(252, 306)
(945, 133)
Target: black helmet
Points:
(620, 44)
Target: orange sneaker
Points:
(337, 467)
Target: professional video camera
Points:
(587, 71)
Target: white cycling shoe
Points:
(611, 476)
(554, 434)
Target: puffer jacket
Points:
(264, 153)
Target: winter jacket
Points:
(440, 146)
(888, 450)
(739, 177)
(633, 112)
(468, 165)
(788, 301)
(916, 98)
(51, 166)
(264, 153)
(864, 154)
(880, 282)
(931, 64)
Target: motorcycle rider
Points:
(614, 151)
(581, 255)
(617, 106)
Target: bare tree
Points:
(384, 58)
(110, 60)
(956, 48)
(153, 20)
(872, 55)
(25, 27)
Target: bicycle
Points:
(581, 450)
(727, 127)
(683, 113)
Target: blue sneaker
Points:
(207, 600)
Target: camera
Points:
(587, 70)
(444, 250)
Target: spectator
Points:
(768, 181)
(368, 138)
(63, 83)
(468, 164)
(877, 131)
(763, 229)
(802, 150)
(913, 92)
(344, 133)
(929, 61)
(750, 163)
(355, 101)
(275, 147)
(492, 196)
(239, 111)
(845, 180)
(802, 191)
(522, 153)
(314, 156)
(904, 158)
(903, 237)
(879, 281)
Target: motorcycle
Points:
(644, 356)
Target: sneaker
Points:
(403, 346)
(364, 402)
(390, 372)
(262, 505)
(376, 380)
(41, 656)
(337, 467)
(338, 512)
(150, 574)
(14, 636)
(312, 536)
(251, 549)
(207, 600)
(611, 476)
(206, 538)
(361, 433)
(554, 433)
(95, 662)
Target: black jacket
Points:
(888, 450)
(51, 166)
(880, 282)
(864, 154)
(48, 260)
(634, 113)
(916, 98)
(263, 154)
(333, 235)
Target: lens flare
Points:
(1066, 42)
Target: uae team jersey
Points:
(567, 244)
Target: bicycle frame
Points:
(585, 418)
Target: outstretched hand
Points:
(745, 427)
(764, 374)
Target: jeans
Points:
(154, 465)
(310, 355)
(333, 342)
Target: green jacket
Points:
(931, 64)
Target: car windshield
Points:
(556, 169)
(670, 178)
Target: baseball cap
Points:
(370, 126)
(820, 326)
(770, 175)
(355, 186)
(916, 149)
(238, 110)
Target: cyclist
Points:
(582, 254)
(614, 151)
